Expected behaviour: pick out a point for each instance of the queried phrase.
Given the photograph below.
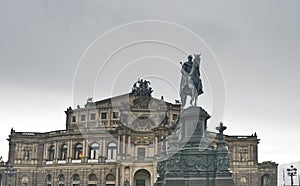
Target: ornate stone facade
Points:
(244, 162)
(116, 141)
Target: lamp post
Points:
(291, 172)
(9, 172)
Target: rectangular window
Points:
(80, 154)
(175, 116)
(112, 154)
(115, 115)
(141, 153)
(94, 154)
(93, 116)
(103, 115)
(82, 118)
(73, 118)
(26, 155)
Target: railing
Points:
(103, 160)
(49, 162)
(61, 161)
(39, 133)
(110, 160)
(28, 133)
(76, 161)
(143, 159)
(93, 161)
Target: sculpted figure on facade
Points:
(142, 88)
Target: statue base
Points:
(190, 161)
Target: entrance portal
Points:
(142, 177)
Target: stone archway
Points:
(266, 180)
(142, 177)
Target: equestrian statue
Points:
(191, 84)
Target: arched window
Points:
(112, 152)
(142, 177)
(110, 180)
(48, 180)
(63, 152)
(78, 151)
(266, 180)
(92, 180)
(61, 180)
(51, 153)
(25, 181)
(94, 151)
(75, 180)
(243, 181)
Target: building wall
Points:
(267, 173)
(137, 144)
(244, 161)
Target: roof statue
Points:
(90, 99)
(142, 88)
(191, 84)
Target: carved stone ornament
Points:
(142, 88)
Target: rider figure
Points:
(186, 69)
(187, 66)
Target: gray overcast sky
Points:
(255, 42)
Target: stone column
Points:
(87, 150)
(117, 176)
(234, 152)
(109, 117)
(251, 153)
(123, 144)
(102, 177)
(56, 158)
(130, 176)
(118, 145)
(34, 153)
(18, 150)
(84, 151)
(69, 151)
(129, 145)
(46, 151)
(156, 146)
(100, 150)
(104, 148)
(123, 175)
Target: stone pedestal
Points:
(190, 161)
(194, 126)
